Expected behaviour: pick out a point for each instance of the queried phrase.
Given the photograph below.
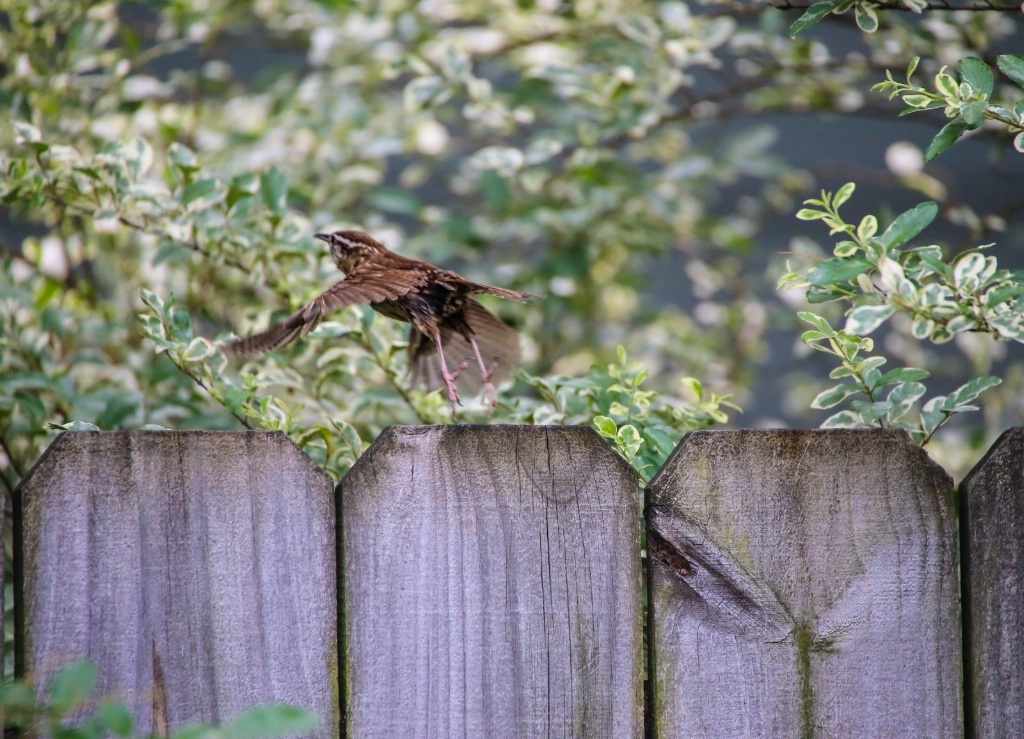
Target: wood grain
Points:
(492, 585)
(204, 557)
(992, 510)
(812, 589)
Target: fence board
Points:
(204, 557)
(492, 585)
(992, 507)
(803, 583)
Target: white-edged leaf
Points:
(866, 318)
(844, 420)
(835, 395)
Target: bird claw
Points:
(453, 391)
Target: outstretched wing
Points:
(359, 288)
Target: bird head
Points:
(349, 249)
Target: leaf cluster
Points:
(967, 99)
(643, 425)
(891, 397)
(68, 709)
(880, 275)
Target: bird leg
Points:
(490, 394)
(449, 379)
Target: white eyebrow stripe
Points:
(351, 243)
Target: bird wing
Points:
(361, 287)
(497, 341)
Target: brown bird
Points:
(450, 328)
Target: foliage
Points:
(862, 376)
(642, 425)
(880, 276)
(864, 11)
(967, 102)
(69, 710)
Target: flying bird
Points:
(450, 328)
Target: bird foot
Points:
(453, 391)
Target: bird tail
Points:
(498, 343)
(502, 292)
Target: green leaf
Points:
(1002, 293)
(919, 102)
(968, 392)
(182, 157)
(909, 224)
(74, 426)
(265, 722)
(1012, 65)
(871, 412)
(867, 18)
(660, 441)
(820, 294)
(818, 322)
(198, 350)
(115, 718)
(866, 318)
(838, 269)
(929, 257)
(71, 685)
(154, 301)
(867, 228)
(844, 420)
(605, 427)
(977, 74)
(813, 15)
(903, 374)
(945, 138)
(629, 440)
(274, 188)
(835, 395)
(846, 248)
(974, 113)
(902, 398)
(198, 189)
(843, 194)
(17, 697)
(947, 87)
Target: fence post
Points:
(195, 568)
(492, 585)
(992, 559)
(803, 583)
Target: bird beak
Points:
(323, 237)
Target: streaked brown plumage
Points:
(450, 328)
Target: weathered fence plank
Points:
(196, 569)
(803, 583)
(992, 511)
(492, 585)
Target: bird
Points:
(450, 328)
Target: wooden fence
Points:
(487, 581)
